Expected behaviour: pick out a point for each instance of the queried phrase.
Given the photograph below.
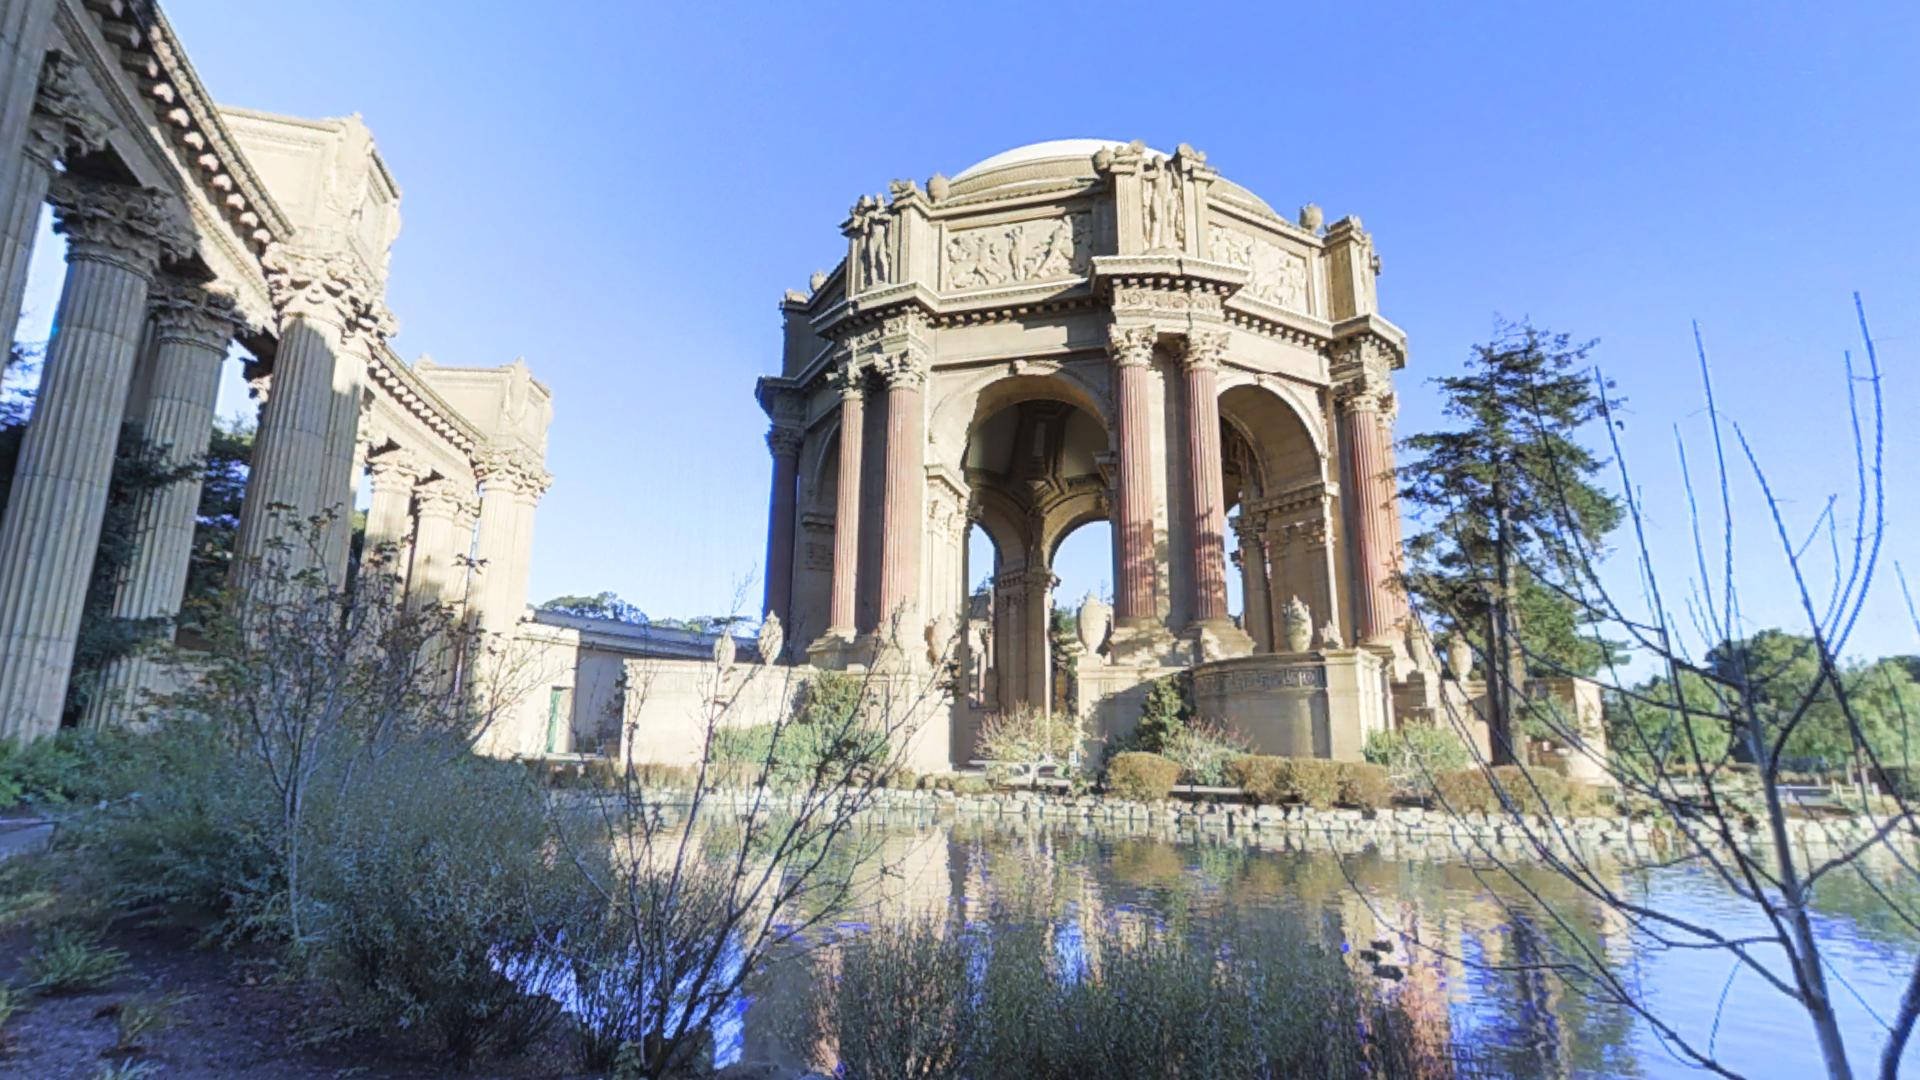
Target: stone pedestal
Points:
(116, 238)
(191, 331)
(1315, 704)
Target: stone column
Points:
(1207, 500)
(116, 236)
(431, 574)
(59, 119)
(1038, 583)
(1132, 351)
(191, 330)
(1258, 620)
(319, 300)
(510, 481)
(1368, 463)
(388, 550)
(1011, 663)
(339, 474)
(903, 509)
(846, 517)
(783, 440)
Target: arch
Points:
(820, 460)
(1289, 449)
(968, 397)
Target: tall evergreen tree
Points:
(1510, 502)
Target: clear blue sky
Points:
(619, 192)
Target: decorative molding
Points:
(1131, 346)
(1206, 349)
(63, 120)
(318, 285)
(785, 440)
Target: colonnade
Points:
(142, 330)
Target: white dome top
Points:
(1045, 151)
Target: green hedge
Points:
(1141, 776)
(1529, 791)
(1315, 782)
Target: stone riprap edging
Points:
(1400, 830)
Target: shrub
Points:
(1526, 791)
(1168, 705)
(1365, 785)
(791, 753)
(73, 765)
(436, 871)
(1141, 776)
(903, 1006)
(1026, 733)
(1272, 780)
(1414, 753)
(1203, 749)
(970, 785)
(68, 961)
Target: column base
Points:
(1146, 642)
(1219, 639)
(836, 650)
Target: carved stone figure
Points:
(1275, 274)
(1298, 622)
(1044, 250)
(771, 639)
(1163, 206)
(1330, 637)
(723, 649)
(940, 637)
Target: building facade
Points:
(191, 229)
(1088, 330)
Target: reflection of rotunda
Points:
(1080, 331)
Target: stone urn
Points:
(771, 639)
(723, 650)
(1297, 624)
(1459, 657)
(1095, 622)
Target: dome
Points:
(1045, 151)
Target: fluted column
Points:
(1132, 351)
(1206, 508)
(510, 481)
(346, 403)
(1258, 620)
(846, 518)
(1368, 465)
(320, 300)
(783, 440)
(190, 332)
(903, 509)
(54, 120)
(439, 504)
(388, 550)
(116, 236)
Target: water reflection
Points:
(1482, 977)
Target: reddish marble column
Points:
(1132, 351)
(846, 514)
(1207, 508)
(903, 512)
(784, 442)
(1370, 505)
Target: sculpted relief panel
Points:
(1277, 275)
(1045, 250)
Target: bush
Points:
(67, 961)
(1365, 785)
(1168, 705)
(791, 753)
(1026, 733)
(1415, 753)
(1203, 750)
(1141, 776)
(436, 871)
(1526, 791)
(1272, 780)
(903, 1007)
(73, 765)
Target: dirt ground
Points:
(235, 1020)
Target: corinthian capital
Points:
(63, 121)
(1206, 349)
(1131, 346)
(784, 440)
(395, 470)
(191, 313)
(511, 466)
(316, 285)
(133, 227)
(903, 369)
(848, 378)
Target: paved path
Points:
(18, 836)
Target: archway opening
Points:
(1278, 514)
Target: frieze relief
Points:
(1171, 301)
(1290, 678)
(1275, 275)
(1043, 250)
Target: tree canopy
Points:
(1513, 454)
(604, 605)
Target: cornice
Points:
(386, 370)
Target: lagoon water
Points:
(1477, 966)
